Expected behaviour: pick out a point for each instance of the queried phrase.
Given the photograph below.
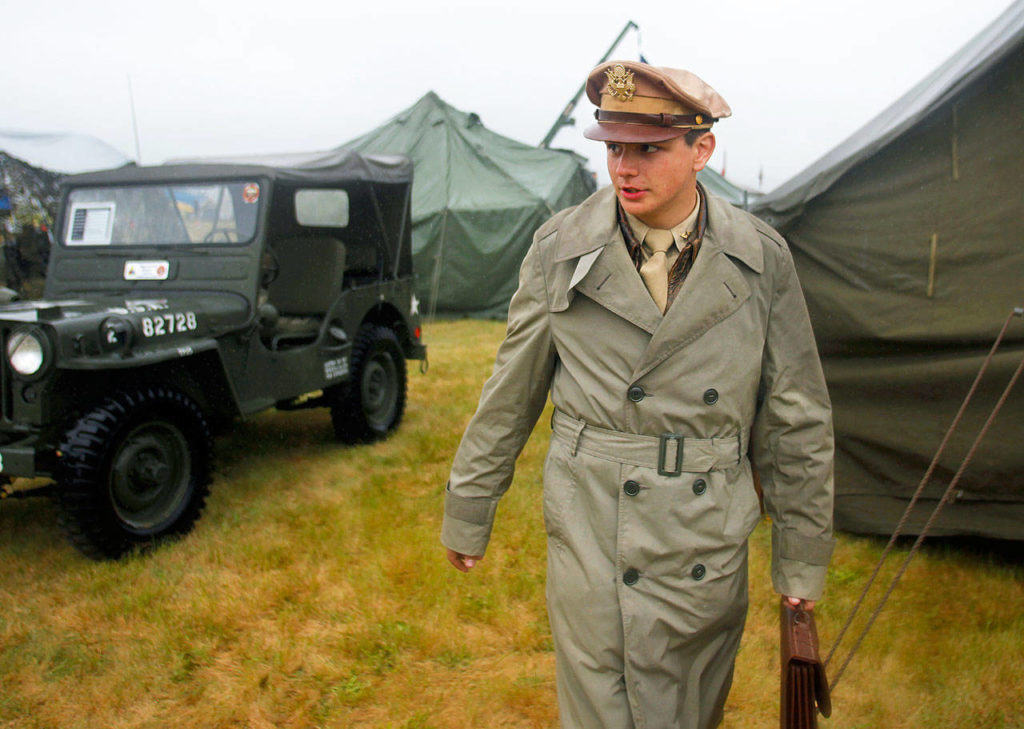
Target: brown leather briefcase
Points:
(804, 685)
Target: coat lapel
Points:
(589, 240)
(714, 288)
(614, 283)
(603, 272)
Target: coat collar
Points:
(593, 224)
(604, 273)
(734, 234)
(590, 226)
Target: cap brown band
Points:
(693, 121)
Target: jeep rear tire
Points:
(370, 405)
(134, 470)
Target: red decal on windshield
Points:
(251, 192)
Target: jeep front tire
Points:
(134, 470)
(370, 405)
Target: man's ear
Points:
(703, 148)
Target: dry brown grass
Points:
(314, 593)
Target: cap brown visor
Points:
(630, 133)
(631, 127)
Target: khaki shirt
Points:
(681, 233)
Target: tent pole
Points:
(435, 278)
(931, 264)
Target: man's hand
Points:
(794, 601)
(463, 562)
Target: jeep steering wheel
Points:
(270, 268)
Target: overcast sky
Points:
(218, 77)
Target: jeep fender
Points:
(196, 366)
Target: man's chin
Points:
(636, 207)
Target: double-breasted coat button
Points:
(631, 487)
(698, 572)
(710, 396)
(700, 486)
(630, 576)
(636, 393)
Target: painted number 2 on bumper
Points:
(162, 324)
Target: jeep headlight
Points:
(27, 351)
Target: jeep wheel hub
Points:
(149, 475)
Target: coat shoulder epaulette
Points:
(766, 231)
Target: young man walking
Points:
(671, 334)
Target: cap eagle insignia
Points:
(620, 82)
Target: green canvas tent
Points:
(477, 199)
(716, 184)
(909, 242)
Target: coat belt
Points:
(670, 453)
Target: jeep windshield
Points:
(178, 214)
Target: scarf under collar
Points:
(687, 255)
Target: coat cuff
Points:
(467, 523)
(800, 563)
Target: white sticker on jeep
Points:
(146, 270)
(91, 223)
(335, 368)
(164, 324)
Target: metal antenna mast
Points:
(565, 118)
(135, 123)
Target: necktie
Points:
(655, 269)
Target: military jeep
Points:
(181, 297)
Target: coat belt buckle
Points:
(663, 441)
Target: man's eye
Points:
(614, 148)
(649, 148)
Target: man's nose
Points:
(626, 165)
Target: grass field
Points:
(314, 593)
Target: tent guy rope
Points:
(1017, 312)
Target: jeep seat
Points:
(310, 272)
(308, 282)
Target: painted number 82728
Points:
(158, 326)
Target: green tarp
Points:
(909, 241)
(716, 184)
(477, 199)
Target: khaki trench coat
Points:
(648, 490)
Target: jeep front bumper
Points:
(21, 459)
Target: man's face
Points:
(657, 182)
